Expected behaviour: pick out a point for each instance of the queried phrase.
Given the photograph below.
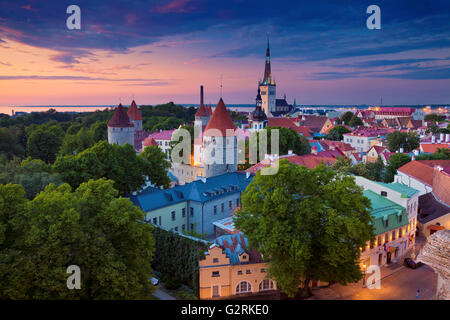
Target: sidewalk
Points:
(161, 295)
(392, 276)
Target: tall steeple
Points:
(267, 71)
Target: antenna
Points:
(221, 85)
(381, 104)
(120, 100)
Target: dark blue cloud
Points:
(300, 30)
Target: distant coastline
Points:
(91, 108)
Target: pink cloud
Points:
(175, 6)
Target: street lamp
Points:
(364, 274)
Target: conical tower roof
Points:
(134, 113)
(120, 118)
(220, 120)
(202, 111)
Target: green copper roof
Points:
(384, 209)
(406, 191)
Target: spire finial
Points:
(221, 85)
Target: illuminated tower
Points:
(268, 87)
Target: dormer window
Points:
(383, 193)
(215, 260)
(386, 223)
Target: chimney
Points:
(201, 95)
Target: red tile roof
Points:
(120, 118)
(220, 120)
(432, 147)
(133, 112)
(202, 111)
(330, 144)
(422, 170)
(290, 124)
(163, 135)
(149, 141)
(307, 160)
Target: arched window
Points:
(266, 284)
(243, 287)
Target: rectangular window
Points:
(155, 221)
(215, 209)
(230, 204)
(263, 270)
(386, 238)
(248, 271)
(183, 227)
(192, 226)
(386, 223)
(393, 235)
(379, 240)
(223, 207)
(192, 212)
(183, 212)
(216, 274)
(173, 215)
(400, 217)
(239, 272)
(215, 260)
(176, 229)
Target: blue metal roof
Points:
(232, 246)
(213, 188)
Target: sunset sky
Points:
(160, 51)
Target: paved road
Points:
(161, 295)
(401, 284)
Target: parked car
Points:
(410, 263)
(155, 281)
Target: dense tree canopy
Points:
(155, 165)
(309, 224)
(440, 154)
(89, 227)
(32, 174)
(355, 122)
(434, 117)
(44, 142)
(395, 161)
(346, 117)
(289, 140)
(336, 133)
(111, 161)
(406, 140)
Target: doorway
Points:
(388, 258)
(380, 259)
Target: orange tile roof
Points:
(133, 112)
(120, 118)
(307, 160)
(432, 147)
(220, 120)
(422, 170)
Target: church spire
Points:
(267, 71)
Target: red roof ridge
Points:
(220, 120)
(120, 118)
(133, 112)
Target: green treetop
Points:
(308, 224)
